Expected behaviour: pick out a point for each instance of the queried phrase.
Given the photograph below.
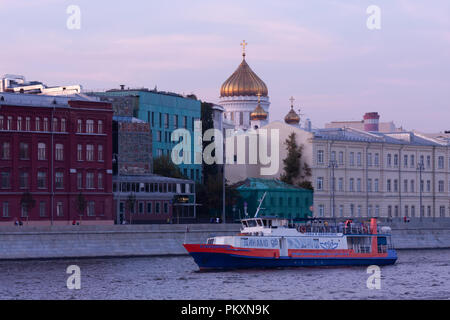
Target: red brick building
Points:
(55, 154)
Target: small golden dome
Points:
(292, 117)
(258, 114)
(243, 82)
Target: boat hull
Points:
(222, 260)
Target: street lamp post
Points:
(116, 159)
(333, 165)
(420, 168)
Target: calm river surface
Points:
(419, 274)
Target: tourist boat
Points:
(271, 242)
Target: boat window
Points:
(259, 222)
(265, 223)
(251, 223)
(244, 223)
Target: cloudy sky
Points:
(319, 51)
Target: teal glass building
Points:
(165, 112)
(282, 200)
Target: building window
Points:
(333, 155)
(319, 183)
(352, 210)
(79, 125)
(46, 124)
(429, 211)
(369, 185)
(23, 151)
(320, 157)
(369, 159)
(440, 162)
(100, 126)
(157, 207)
(395, 160)
(441, 186)
(89, 152)
(341, 158)
(42, 209)
(321, 210)
(359, 159)
(27, 124)
(412, 161)
(19, 123)
(352, 159)
(79, 152)
(23, 180)
(395, 185)
(421, 185)
(59, 180)
(175, 121)
(42, 180)
(158, 136)
(185, 122)
(89, 180)
(428, 161)
(1, 122)
(59, 209)
(390, 211)
(6, 180)
(396, 211)
(6, 209)
(24, 210)
(91, 208)
(55, 125)
(89, 126)
(389, 160)
(37, 124)
(358, 185)
(411, 186)
(80, 180)
(341, 184)
(166, 120)
(376, 185)
(100, 180)
(63, 125)
(100, 152)
(413, 211)
(405, 160)
(369, 210)
(42, 151)
(376, 160)
(9, 123)
(442, 211)
(405, 186)
(377, 211)
(59, 154)
(149, 207)
(352, 185)
(388, 186)
(428, 186)
(6, 151)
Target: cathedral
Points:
(245, 99)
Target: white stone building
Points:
(375, 173)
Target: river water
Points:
(418, 274)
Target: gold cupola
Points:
(259, 113)
(292, 117)
(243, 82)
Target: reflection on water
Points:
(420, 274)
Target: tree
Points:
(164, 166)
(131, 201)
(27, 201)
(294, 170)
(80, 204)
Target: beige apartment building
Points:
(375, 174)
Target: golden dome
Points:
(243, 82)
(259, 113)
(292, 117)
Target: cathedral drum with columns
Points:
(244, 96)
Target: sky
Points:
(321, 52)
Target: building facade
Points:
(54, 149)
(376, 174)
(165, 112)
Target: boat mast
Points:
(260, 203)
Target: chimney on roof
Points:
(122, 87)
(371, 121)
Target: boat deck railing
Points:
(349, 230)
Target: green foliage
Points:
(164, 166)
(293, 168)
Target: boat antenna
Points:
(260, 203)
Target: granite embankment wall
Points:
(148, 240)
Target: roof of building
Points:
(267, 184)
(23, 99)
(400, 137)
